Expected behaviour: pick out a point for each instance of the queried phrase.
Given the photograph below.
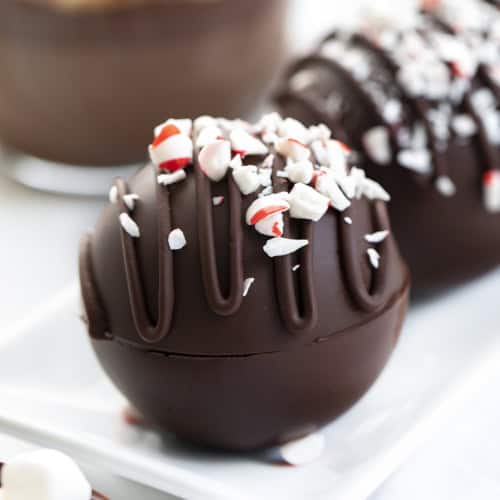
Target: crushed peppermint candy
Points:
(245, 144)
(296, 267)
(418, 160)
(377, 237)
(293, 149)
(277, 247)
(130, 199)
(217, 200)
(348, 220)
(300, 171)
(247, 178)
(445, 186)
(307, 203)
(373, 257)
(171, 150)
(176, 239)
(167, 179)
(491, 190)
(246, 285)
(464, 125)
(129, 225)
(377, 145)
(214, 159)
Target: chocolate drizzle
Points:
(148, 331)
(221, 305)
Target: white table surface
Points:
(38, 257)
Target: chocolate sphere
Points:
(82, 81)
(421, 106)
(242, 314)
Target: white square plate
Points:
(53, 393)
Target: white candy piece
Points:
(418, 160)
(129, 225)
(269, 123)
(377, 237)
(373, 190)
(319, 132)
(277, 247)
(303, 451)
(202, 122)
(208, 135)
(336, 154)
(171, 152)
(44, 475)
(445, 186)
(247, 179)
(265, 177)
(268, 161)
(348, 220)
(307, 203)
(271, 225)
(293, 128)
(374, 257)
(293, 149)
(130, 199)
(236, 162)
(377, 145)
(464, 125)
(176, 239)
(244, 143)
(214, 159)
(326, 185)
(167, 179)
(300, 171)
(113, 194)
(246, 286)
(217, 200)
(264, 207)
(491, 190)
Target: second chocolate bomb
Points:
(421, 106)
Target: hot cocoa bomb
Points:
(419, 101)
(244, 288)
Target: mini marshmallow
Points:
(293, 149)
(171, 150)
(271, 225)
(176, 239)
(167, 179)
(373, 257)
(247, 179)
(129, 225)
(245, 144)
(491, 190)
(303, 451)
(445, 186)
(293, 128)
(300, 171)
(327, 186)
(264, 207)
(208, 135)
(214, 159)
(376, 237)
(44, 475)
(113, 194)
(377, 145)
(130, 199)
(307, 203)
(276, 247)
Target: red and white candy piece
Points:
(264, 207)
(325, 183)
(217, 201)
(293, 128)
(377, 145)
(214, 159)
(277, 247)
(245, 144)
(271, 226)
(491, 190)
(208, 135)
(293, 149)
(300, 171)
(129, 225)
(336, 154)
(247, 178)
(171, 150)
(307, 203)
(176, 239)
(185, 125)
